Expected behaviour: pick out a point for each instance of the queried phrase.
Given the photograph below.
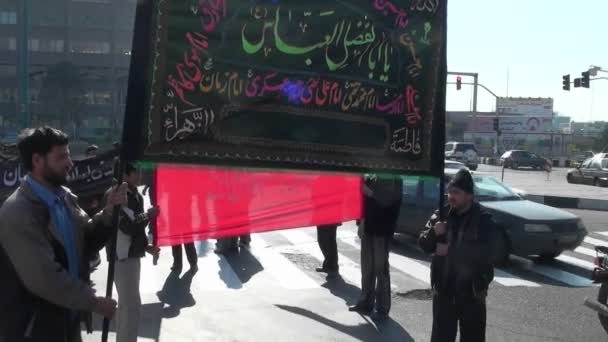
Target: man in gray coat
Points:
(45, 241)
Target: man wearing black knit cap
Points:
(465, 249)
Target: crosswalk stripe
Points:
(602, 233)
(585, 251)
(508, 279)
(576, 262)
(214, 264)
(349, 270)
(284, 271)
(595, 242)
(557, 274)
(400, 262)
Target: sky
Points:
(535, 43)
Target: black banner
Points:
(352, 85)
(89, 177)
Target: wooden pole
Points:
(112, 253)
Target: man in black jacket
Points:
(381, 205)
(131, 245)
(465, 249)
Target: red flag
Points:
(201, 203)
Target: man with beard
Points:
(465, 249)
(45, 239)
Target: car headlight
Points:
(537, 228)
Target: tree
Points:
(601, 143)
(61, 96)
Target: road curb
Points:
(570, 202)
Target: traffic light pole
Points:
(475, 84)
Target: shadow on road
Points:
(244, 264)
(341, 289)
(149, 324)
(176, 293)
(381, 330)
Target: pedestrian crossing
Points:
(287, 260)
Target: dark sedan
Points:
(531, 229)
(515, 159)
(594, 171)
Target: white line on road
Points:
(556, 274)
(508, 279)
(404, 264)
(284, 271)
(349, 270)
(576, 262)
(595, 242)
(585, 251)
(214, 264)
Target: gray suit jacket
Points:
(30, 242)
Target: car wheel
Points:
(596, 182)
(514, 165)
(547, 257)
(570, 179)
(473, 167)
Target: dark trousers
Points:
(232, 243)
(190, 254)
(450, 313)
(375, 273)
(326, 237)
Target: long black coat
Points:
(381, 209)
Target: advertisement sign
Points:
(525, 106)
(511, 124)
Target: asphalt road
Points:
(271, 292)
(535, 182)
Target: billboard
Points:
(511, 124)
(348, 86)
(525, 106)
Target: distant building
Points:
(94, 35)
(591, 129)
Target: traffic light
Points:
(458, 83)
(566, 82)
(496, 124)
(585, 80)
(577, 83)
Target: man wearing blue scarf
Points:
(45, 242)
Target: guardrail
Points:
(560, 162)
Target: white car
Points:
(465, 153)
(454, 165)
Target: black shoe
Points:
(380, 316)
(362, 309)
(326, 270)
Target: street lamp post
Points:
(23, 98)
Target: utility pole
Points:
(23, 98)
(475, 83)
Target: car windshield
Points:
(489, 189)
(465, 147)
(449, 147)
(605, 164)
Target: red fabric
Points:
(201, 203)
